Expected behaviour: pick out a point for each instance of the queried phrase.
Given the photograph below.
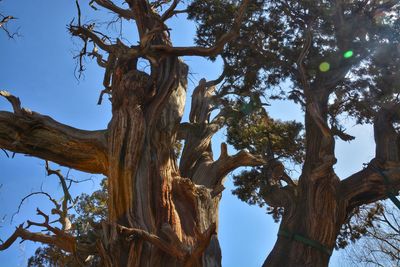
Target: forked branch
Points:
(170, 11)
(208, 51)
(211, 173)
(4, 20)
(61, 240)
(86, 32)
(124, 13)
(383, 173)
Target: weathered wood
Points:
(41, 136)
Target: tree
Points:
(374, 232)
(327, 56)
(157, 212)
(332, 58)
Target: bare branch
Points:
(124, 13)
(226, 163)
(67, 196)
(105, 91)
(15, 102)
(207, 51)
(65, 242)
(4, 20)
(57, 206)
(170, 11)
(99, 58)
(41, 136)
(5, 245)
(86, 32)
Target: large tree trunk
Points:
(316, 217)
(315, 213)
(146, 190)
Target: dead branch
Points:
(99, 58)
(207, 51)
(124, 13)
(4, 20)
(86, 32)
(63, 211)
(5, 245)
(37, 135)
(170, 11)
(341, 134)
(67, 196)
(57, 206)
(64, 242)
(14, 101)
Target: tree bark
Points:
(146, 190)
(159, 214)
(316, 213)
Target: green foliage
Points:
(276, 41)
(273, 140)
(262, 135)
(274, 36)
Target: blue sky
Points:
(38, 67)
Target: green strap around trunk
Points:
(389, 191)
(305, 240)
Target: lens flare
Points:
(324, 66)
(348, 54)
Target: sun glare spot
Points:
(324, 66)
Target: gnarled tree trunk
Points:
(159, 214)
(317, 207)
(145, 186)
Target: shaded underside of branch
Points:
(382, 174)
(41, 136)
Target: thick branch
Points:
(170, 11)
(41, 136)
(276, 196)
(226, 163)
(211, 173)
(153, 239)
(85, 33)
(207, 51)
(124, 13)
(369, 185)
(65, 243)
